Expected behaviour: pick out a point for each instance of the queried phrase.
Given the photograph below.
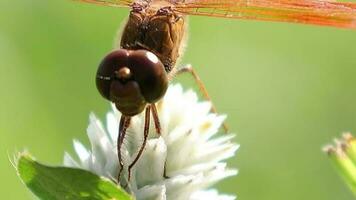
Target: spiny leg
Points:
(165, 170)
(203, 90)
(118, 146)
(145, 135)
(124, 124)
(158, 130)
(156, 119)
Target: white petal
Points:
(81, 151)
(112, 125)
(101, 146)
(203, 108)
(217, 153)
(69, 161)
(211, 125)
(150, 167)
(194, 169)
(220, 172)
(220, 140)
(180, 187)
(155, 192)
(178, 151)
(190, 97)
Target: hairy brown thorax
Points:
(156, 29)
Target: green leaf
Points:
(57, 183)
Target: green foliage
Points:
(57, 183)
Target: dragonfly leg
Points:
(158, 130)
(145, 135)
(124, 124)
(156, 119)
(188, 68)
(165, 170)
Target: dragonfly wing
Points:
(111, 3)
(316, 12)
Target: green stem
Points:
(346, 167)
(351, 149)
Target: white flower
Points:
(188, 146)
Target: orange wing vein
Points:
(316, 12)
(111, 3)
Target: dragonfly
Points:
(135, 75)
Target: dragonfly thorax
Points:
(160, 31)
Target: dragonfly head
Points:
(131, 79)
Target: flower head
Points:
(188, 151)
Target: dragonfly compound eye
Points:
(131, 79)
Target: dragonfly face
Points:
(131, 79)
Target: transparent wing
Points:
(112, 3)
(317, 12)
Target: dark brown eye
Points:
(149, 72)
(131, 79)
(107, 68)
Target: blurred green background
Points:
(287, 89)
